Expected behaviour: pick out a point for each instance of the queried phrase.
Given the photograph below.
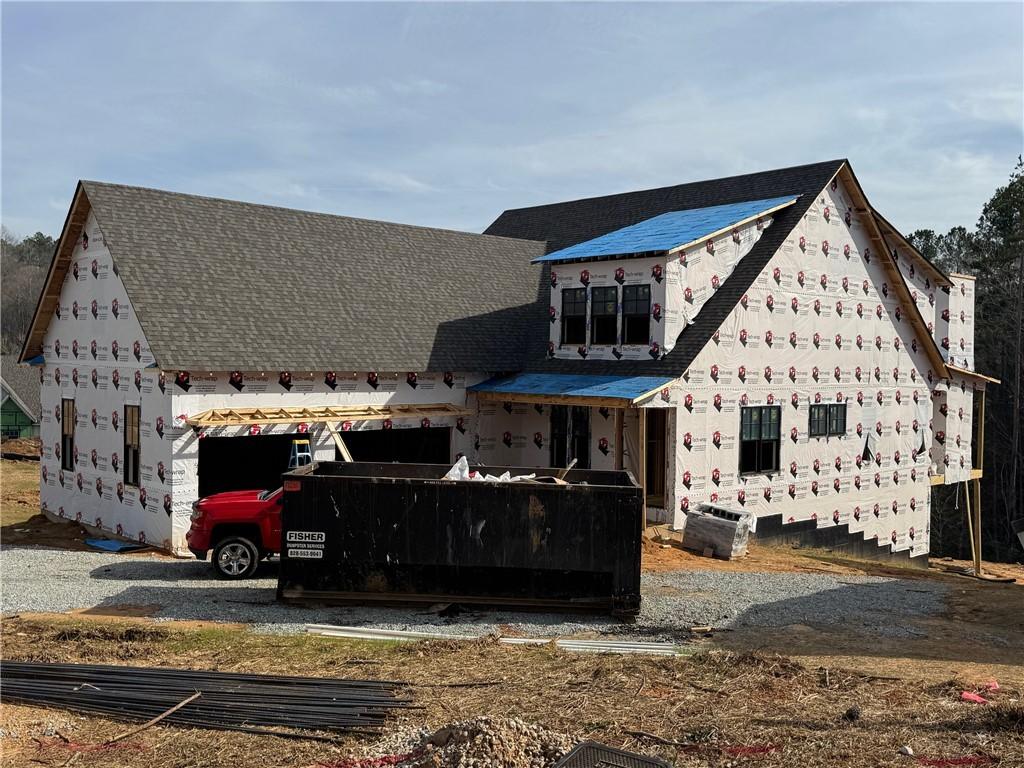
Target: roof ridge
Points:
(836, 162)
(86, 183)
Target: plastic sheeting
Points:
(679, 287)
(627, 388)
(667, 231)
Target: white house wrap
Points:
(751, 301)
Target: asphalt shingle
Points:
(220, 285)
(22, 381)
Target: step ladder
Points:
(301, 454)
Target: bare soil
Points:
(712, 708)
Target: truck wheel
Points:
(235, 558)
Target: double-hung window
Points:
(760, 439)
(67, 434)
(636, 314)
(604, 315)
(827, 420)
(574, 315)
(131, 445)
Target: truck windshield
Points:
(267, 494)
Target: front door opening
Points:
(570, 436)
(655, 451)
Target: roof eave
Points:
(78, 212)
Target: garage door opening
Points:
(243, 463)
(422, 445)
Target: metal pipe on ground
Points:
(240, 702)
(568, 644)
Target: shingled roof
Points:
(565, 224)
(220, 285)
(23, 384)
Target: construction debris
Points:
(567, 644)
(717, 532)
(204, 699)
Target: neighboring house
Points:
(765, 342)
(19, 399)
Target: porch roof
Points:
(569, 389)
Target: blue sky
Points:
(446, 114)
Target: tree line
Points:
(993, 252)
(23, 262)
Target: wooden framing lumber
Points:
(620, 419)
(977, 526)
(642, 464)
(969, 374)
(520, 397)
(342, 448)
(231, 417)
(937, 274)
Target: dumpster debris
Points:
(461, 471)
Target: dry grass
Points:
(714, 708)
(19, 483)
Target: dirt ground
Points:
(980, 634)
(20, 519)
(770, 697)
(711, 708)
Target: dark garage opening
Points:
(243, 463)
(430, 445)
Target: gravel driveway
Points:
(38, 579)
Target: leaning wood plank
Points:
(342, 448)
(155, 720)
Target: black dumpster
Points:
(361, 532)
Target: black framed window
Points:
(636, 314)
(827, 420)
(574, 315)
(837, 419)
(817, 425)
(68, 417)
(604, 315)
(760, 438)
(131, 445)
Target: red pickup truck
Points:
(241, 527)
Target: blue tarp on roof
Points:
(665, 232)
(565, 385)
